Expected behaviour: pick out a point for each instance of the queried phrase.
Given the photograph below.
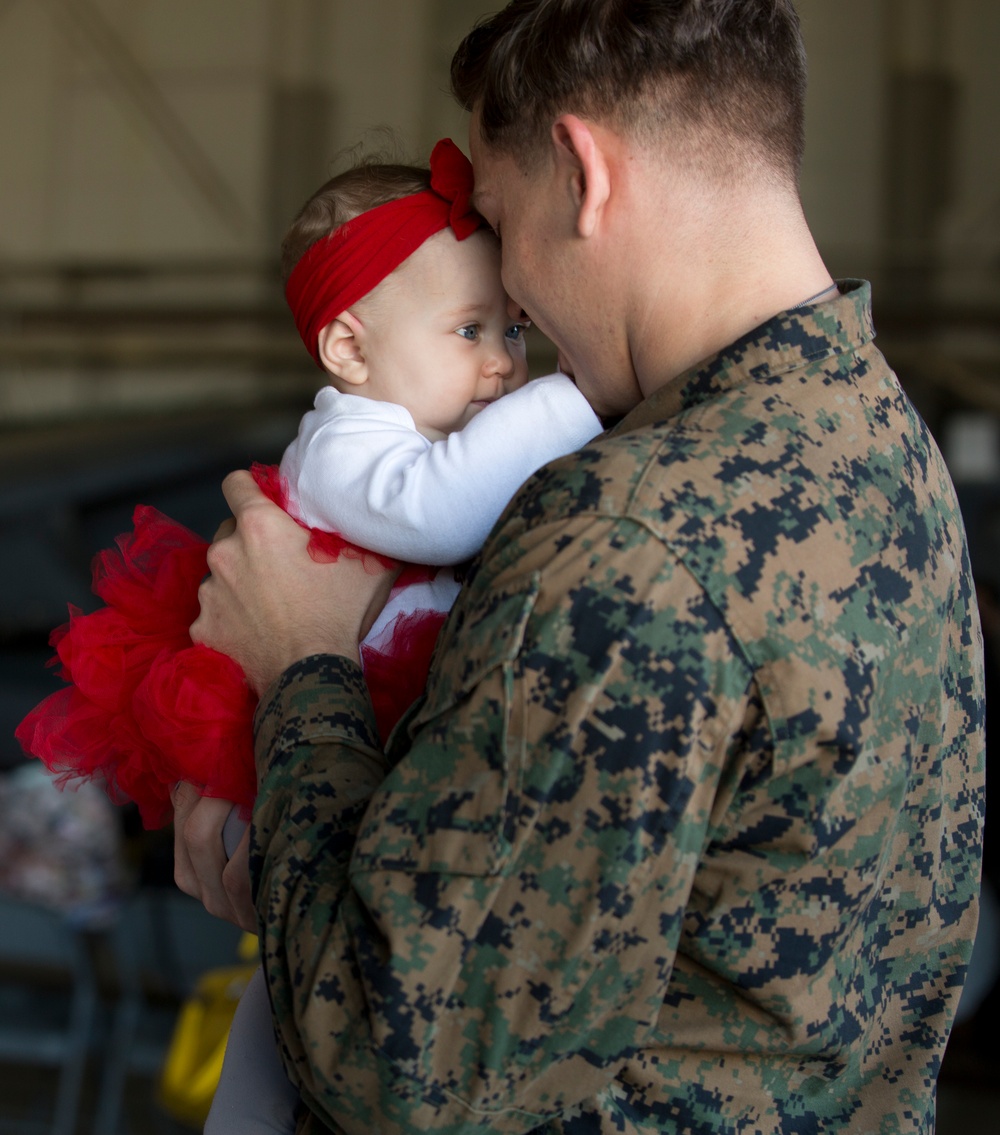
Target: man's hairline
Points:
(687, 140)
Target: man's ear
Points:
(580, 157)
(340, 349)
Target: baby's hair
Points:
(368, 183)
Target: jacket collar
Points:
(783, 343)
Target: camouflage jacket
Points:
(685, 834)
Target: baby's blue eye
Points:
(470, 332)
(516, 331)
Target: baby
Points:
(425, 431)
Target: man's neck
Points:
(746, 265)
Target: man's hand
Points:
(200, 865)
(267, 603)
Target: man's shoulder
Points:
(814, 475)
(599, 479)
(773, 440)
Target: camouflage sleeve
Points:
(480, 937)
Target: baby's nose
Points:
(500, 362)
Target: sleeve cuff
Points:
(322, 697)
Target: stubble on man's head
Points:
(719, 83)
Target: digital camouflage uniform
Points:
(685, 834)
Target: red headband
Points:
(340, 269)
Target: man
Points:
(685, 834)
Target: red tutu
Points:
(146, 707)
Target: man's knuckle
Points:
(218, 909)
(196, 834)
(215, 556)
(184, 881)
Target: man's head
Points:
(640, 160)
(719, 82)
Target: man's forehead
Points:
(488, 173)
(485, 185)
(480, 197)
(487, 164)
(480, 162)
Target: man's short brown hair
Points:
(368, 183)
(728, 74)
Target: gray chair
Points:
(39, 1023)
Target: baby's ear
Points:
(340, 350)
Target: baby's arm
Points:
(391, 490)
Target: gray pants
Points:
(254, 1096)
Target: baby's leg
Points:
(254, 1096)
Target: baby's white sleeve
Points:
(391, 490)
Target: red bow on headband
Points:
(451, 178)
(341, 269)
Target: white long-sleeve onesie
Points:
(360, 468)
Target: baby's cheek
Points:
(517, 379)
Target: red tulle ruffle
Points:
(146, 707)
(324, 547)
(396, 677)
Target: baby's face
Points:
(442, 337)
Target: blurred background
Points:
(153, 152)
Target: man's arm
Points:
(478, 937)
(266, 604)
